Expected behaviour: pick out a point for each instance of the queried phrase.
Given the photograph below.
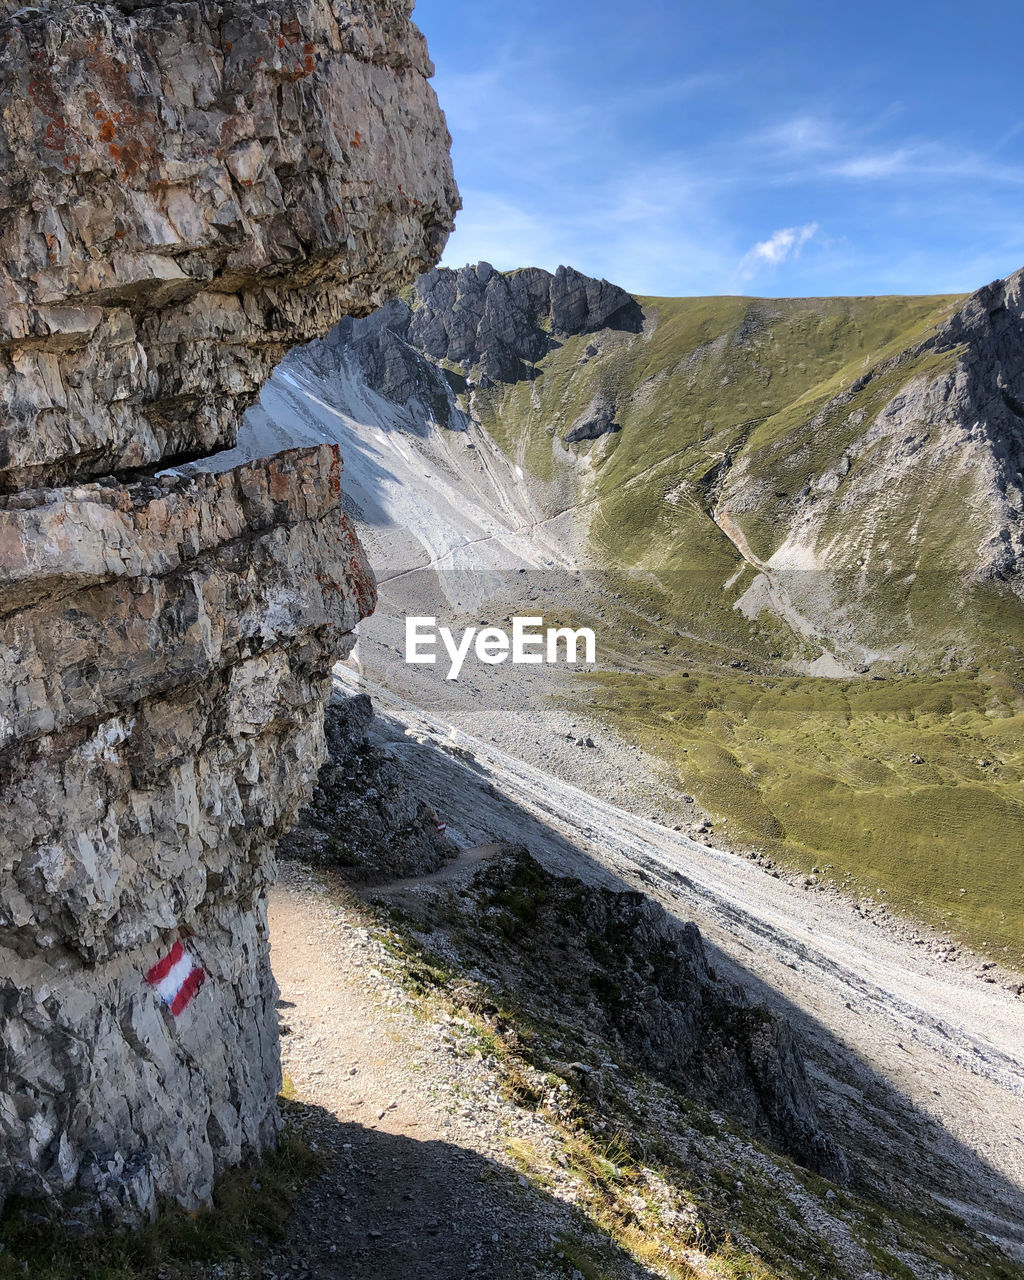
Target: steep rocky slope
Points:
(618, 967)
(361, 818)
(187, 190)
(613, 960)
(898, 501)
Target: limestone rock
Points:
(612, 965)
(501, 324)
(379, 344)
(492, 323)
(187, 190)
(580, 304)
(362, 820)
(598, 420)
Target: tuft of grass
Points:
(250, 1210)
(574, 1258)
(650, 1217)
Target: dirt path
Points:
(933, 1051)
(418, 1184)
(467, 862)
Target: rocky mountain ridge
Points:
(474, 327)
(932, 434)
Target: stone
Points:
(187, 191)
(617, 964)
(361, 819)
(186, 194)
(597, 420)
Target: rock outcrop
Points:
(470, 327)
(362, 820)
(187, 191)
(617, 965)
(380, 352)
(984, 398)
(598, 420)
(500, 323)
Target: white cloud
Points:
(930, 162)
(798, 138)
(780, 245)
(870, 167)
(637, 228)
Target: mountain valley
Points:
(795, 525)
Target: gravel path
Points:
(920, 1060)
(418, 1183)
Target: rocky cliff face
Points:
(471, 327)
(501, 323)
(187, 191)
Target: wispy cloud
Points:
(780, 245)
(810, 148)
(671, 184)
(926, 162)
(799, 137)
(872, 167)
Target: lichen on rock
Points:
(187, 191)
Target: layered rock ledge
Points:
(187, 191)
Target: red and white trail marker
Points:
(442, 827)
(176, 978)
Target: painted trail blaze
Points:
(176, 978)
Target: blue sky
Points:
(776, 148)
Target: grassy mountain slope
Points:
(910, 789)
(711, 386)
(809, 461)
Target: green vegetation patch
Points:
(911, 787)
(250, 1210)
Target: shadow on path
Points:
(390, 1207)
